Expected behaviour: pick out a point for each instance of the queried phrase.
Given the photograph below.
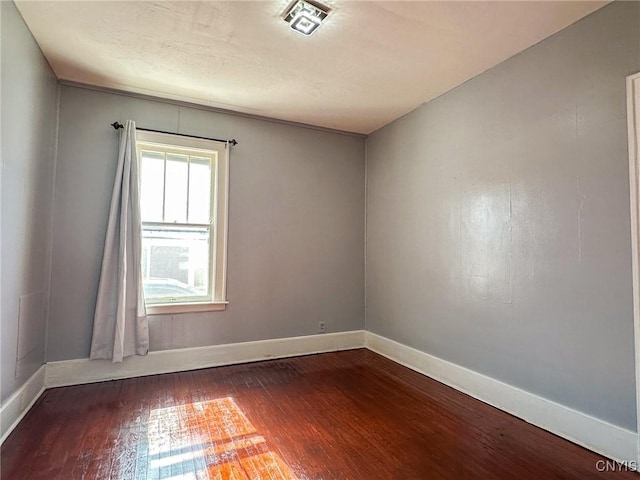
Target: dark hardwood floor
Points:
(347, 415)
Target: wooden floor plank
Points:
(345, 415)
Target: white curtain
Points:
(120, 327)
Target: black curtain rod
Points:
(233, 141)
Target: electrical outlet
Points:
(321, 327)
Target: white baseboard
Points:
(590, 432)
(595, 434)
(75, 372)
(18, 404)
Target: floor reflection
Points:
(207, 440)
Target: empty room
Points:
(319, 240)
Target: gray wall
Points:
(296, 225)
(498, 232)
(29, 102)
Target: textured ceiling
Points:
(370, 63)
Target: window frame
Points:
(219, 213)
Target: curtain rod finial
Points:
(117, 125)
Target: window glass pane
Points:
(175, 197)
(151, 185)
(199, 190)
(175, 263)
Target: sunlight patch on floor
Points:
(211, 440)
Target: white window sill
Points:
(171, 308)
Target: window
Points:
(183, 202)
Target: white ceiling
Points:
(370, 63)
